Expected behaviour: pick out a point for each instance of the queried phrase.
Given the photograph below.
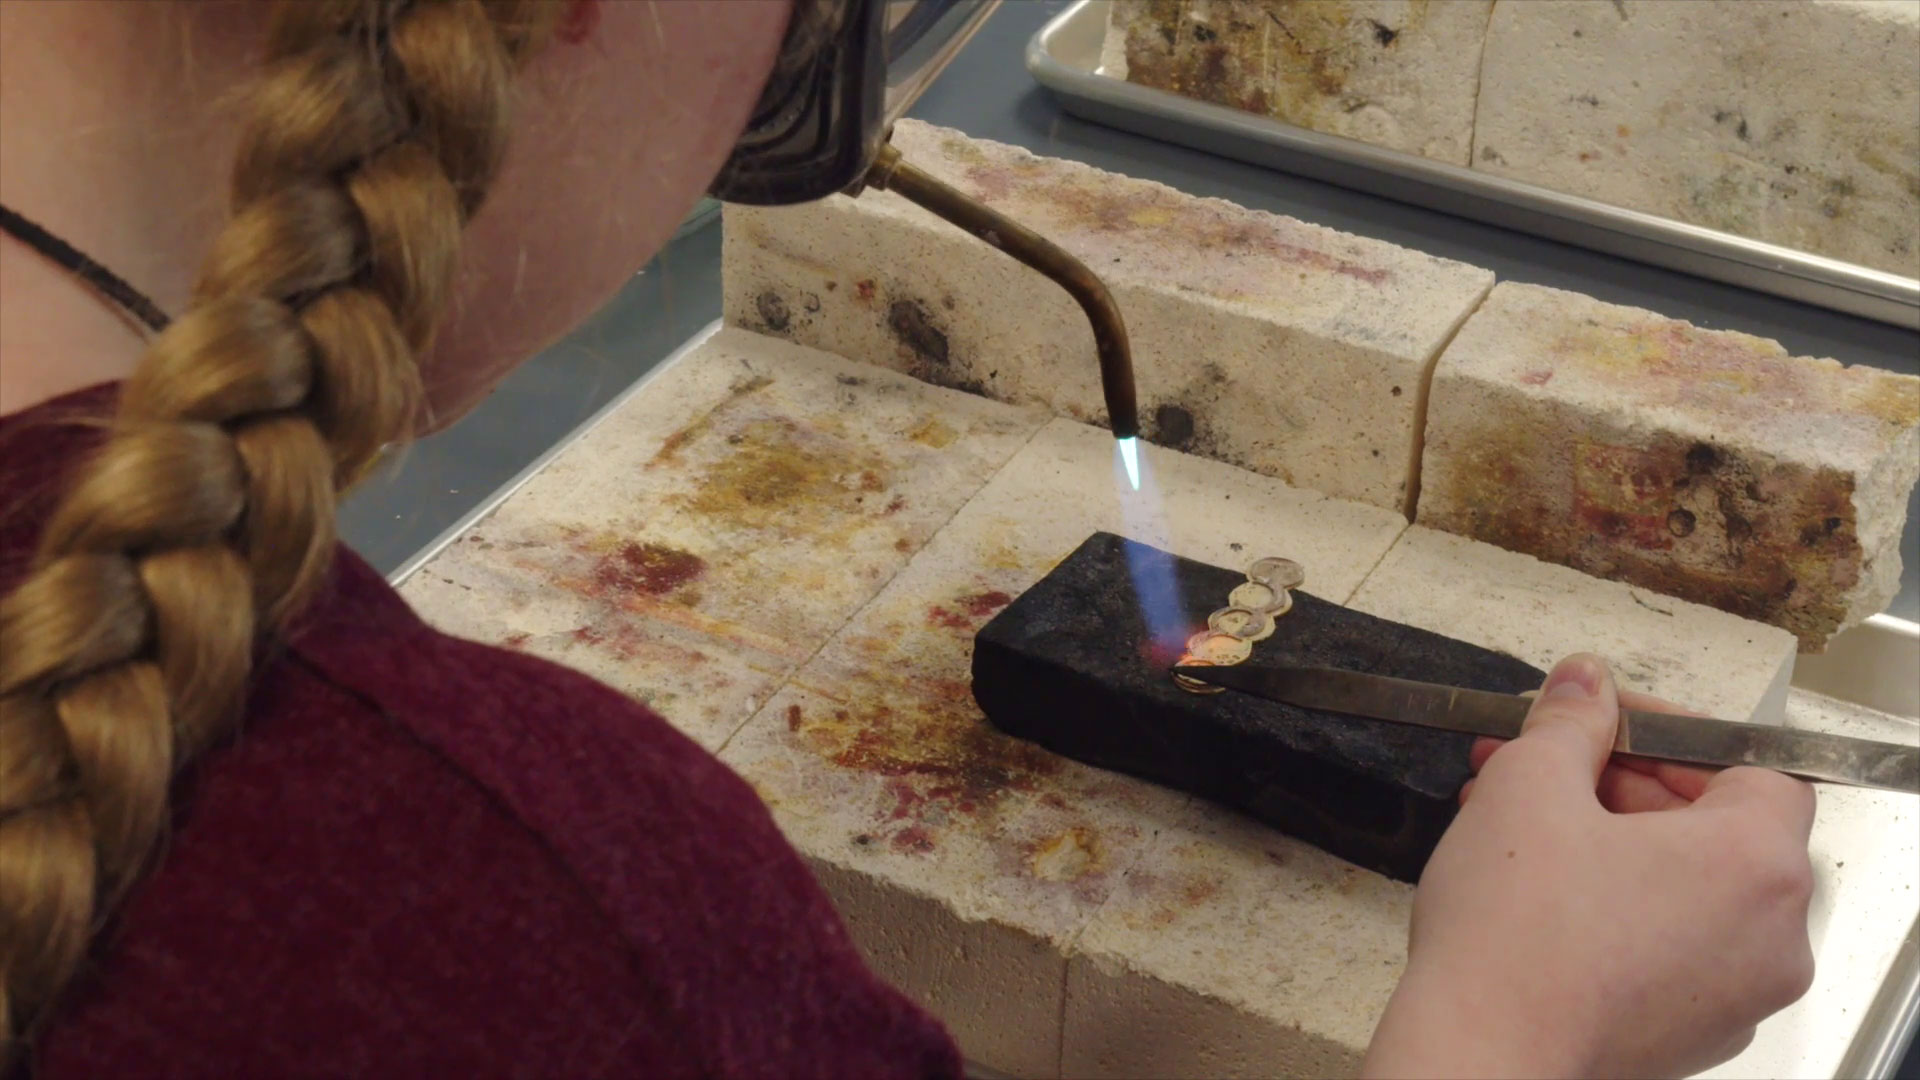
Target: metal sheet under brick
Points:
(1072, 665)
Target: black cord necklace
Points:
(76, 262)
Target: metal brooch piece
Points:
(1278, 573)
(1248, 624)
(1251, 615)
(1262, 598)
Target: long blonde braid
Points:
(208, 515)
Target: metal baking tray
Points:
(1065, 57)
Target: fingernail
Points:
(1574, 677)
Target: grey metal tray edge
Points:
(1064, 57)
(1888, 1029)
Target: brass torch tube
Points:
(891, 173)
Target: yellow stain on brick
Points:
(1067, 855)
(933, 432)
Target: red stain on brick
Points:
(943, 740)
(930, 761)
(950, 691)
(1537, 378)
(1093, 204)
(905, 800)
(793, 718)
(626, 640)
(1322, 261)
(951, 796)
(870, 481)
(980, 605)
(912, 841)
(864, 289)
(1197, 891)
(967, 611)
(1621, 493)
(952, 620)
(515, 640)
(898, 504)
(651, 569)
(620, 643)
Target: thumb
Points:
(1577, 715)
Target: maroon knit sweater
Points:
(422, 857)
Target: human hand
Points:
(1588, 917)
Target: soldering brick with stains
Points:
(1038, 905)
(1708, 466)
(1396, 73)
(702, 540)
(1780, 120)
(1282, 347)
(1786, 121)
(1703, 464)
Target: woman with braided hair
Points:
(248, 246)
(366, 881)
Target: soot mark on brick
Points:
(1813, 534)
(773, 311)
(1173, 427)
(1383, 33)
(1739, 527)
(914, 326)
(1730, 116)
(1833, 204)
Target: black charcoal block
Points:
(1072, 666)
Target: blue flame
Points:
(1144, 521)
(1130, 456)
(1159, 595)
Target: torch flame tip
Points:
(1130, 456)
